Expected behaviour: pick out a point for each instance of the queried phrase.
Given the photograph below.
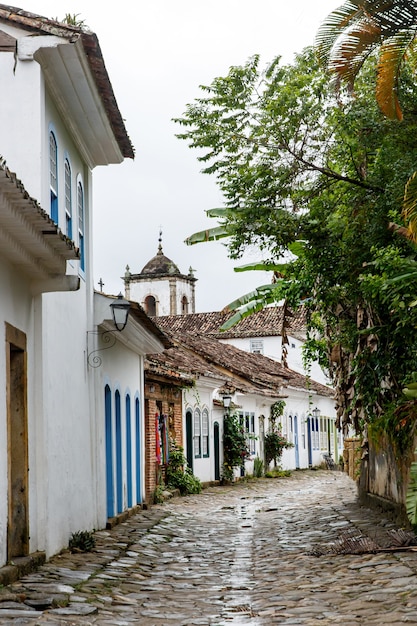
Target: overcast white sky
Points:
(157, 53)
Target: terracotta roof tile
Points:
(200, 355)
(264, 323)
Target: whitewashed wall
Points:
(62, 474)
(24, 87)
(16, 308)
(122, 371)
(201, 397)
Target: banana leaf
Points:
(211, 234)
(411, 497)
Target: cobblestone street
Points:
(241, 554)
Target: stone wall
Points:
(352, 456)
(383, 480)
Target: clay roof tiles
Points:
(264, 323)
(200, 355)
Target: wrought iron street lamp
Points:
(226, 402)
(120, 311)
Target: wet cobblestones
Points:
(240, 554)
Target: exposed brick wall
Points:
(167, 400)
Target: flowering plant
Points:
(235, 449)
(275, 444)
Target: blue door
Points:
(138, 455)
(297, 451)
(109, 452)
(119, 475)
(129, 452)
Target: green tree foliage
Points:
(295, 164)
(235, 449)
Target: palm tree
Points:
(349, 35)
(356, 29)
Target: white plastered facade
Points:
(64, 434)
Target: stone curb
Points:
(21, 566)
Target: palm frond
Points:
(391, 56)
(333, 26)
(349, 54)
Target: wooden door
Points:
(18, 515)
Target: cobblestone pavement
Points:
(241, 554)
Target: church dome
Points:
(160, 265)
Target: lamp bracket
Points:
(108, 337)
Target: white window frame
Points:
(53, 175)
(257, 346)
(197, 433)
(81, 221)
(68, 196)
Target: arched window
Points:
(197, 433)
(205, 432)
(150, 306)
(81, 217)
(53, 175)
(68, 199)
(184, 306)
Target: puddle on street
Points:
(237, 609)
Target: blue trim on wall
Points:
(119, 474)
(109, 452)
(129, 451)
(137, 449)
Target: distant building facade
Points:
(160, 288)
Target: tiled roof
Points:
(200, 355)
(264, 323)
(39, 24)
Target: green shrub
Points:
(82, 541)
(278, 473)
(178, 475)
(258, 467)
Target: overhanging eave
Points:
(29, 239)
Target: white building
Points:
(254, 383)
(160, 288)
(309, 418)
(60, 121)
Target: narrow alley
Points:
(262, 552)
